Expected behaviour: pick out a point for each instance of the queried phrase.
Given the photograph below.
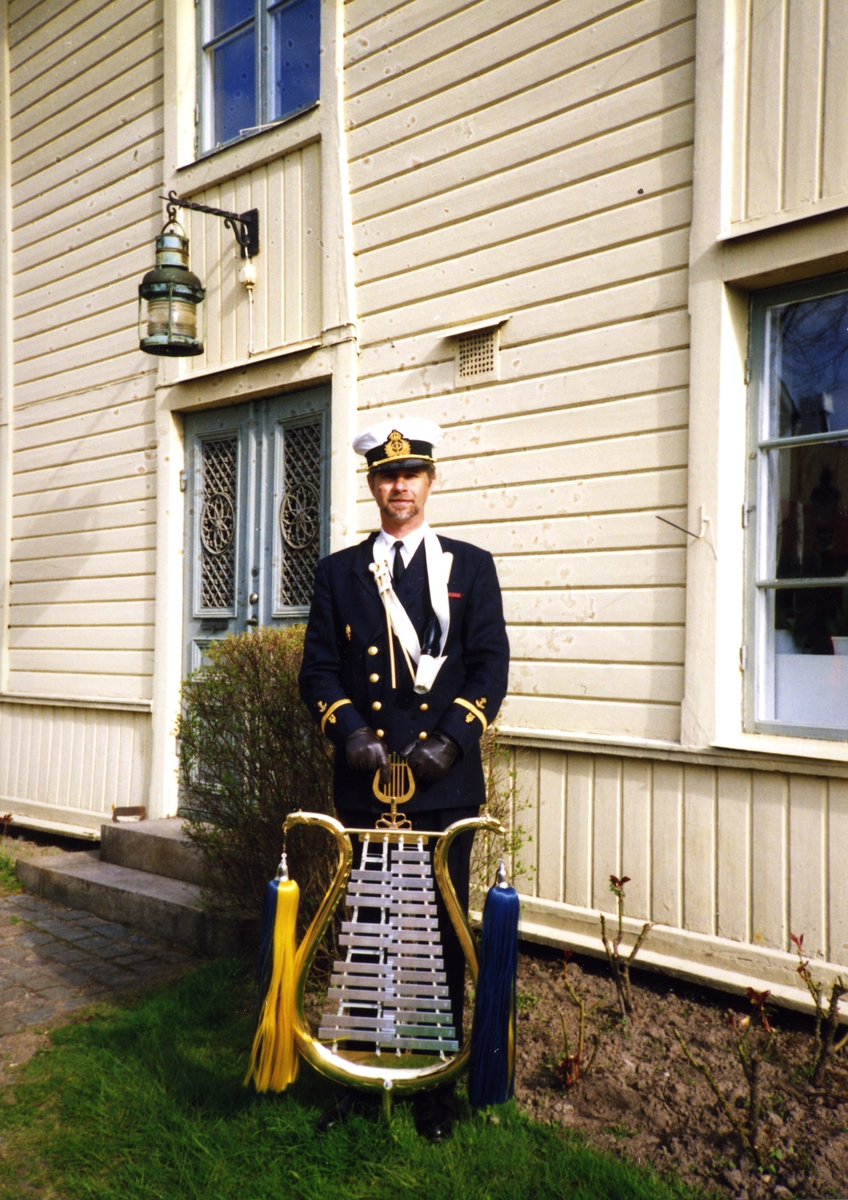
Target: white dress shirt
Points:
(384, 546)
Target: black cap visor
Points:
(403, 464)
(418, 453)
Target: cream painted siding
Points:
(738, 858)
(540, 170)
(790, 110)
(287, 294)
(67, 766)
(86, 104)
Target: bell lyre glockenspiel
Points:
(390, 989)
(388, 1025)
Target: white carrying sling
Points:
(438, 572)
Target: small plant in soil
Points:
(619, 965)
(825, 1044)
(571, 1067)
(754, 1042)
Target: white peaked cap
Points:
(398, 441)
(414, 429)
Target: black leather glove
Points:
(365, 752)
(432, 757)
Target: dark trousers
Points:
(459, 866)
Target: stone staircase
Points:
(146, 875)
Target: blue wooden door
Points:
(256, 504)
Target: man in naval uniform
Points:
(446, 612)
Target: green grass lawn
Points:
(146, 1101)
(8, 878)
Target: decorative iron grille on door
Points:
(219, 474)
(256, 514)
(300, 512)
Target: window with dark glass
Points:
(259, 64)
(800, 502)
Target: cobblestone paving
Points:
(55, 959)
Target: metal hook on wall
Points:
(704, 529)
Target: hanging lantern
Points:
(171, 293)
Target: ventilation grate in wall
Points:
(477, 353)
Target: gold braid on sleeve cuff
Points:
(473, 711)
(329, 714)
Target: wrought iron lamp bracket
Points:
(244, 225)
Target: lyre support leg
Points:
(388, 1101)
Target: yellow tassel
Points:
(274, 1059)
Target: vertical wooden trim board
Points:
(790, 115)
(288, 293)
(726, 863)
(68, 766)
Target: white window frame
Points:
(265, 54)
(760, 508)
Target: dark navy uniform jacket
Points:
(346, 682)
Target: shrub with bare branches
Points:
(250, 754)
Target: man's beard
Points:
(409, 509)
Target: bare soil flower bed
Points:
(644, 1100)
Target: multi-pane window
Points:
(799, 499)
(259, 64)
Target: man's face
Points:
(400, 495)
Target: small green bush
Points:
(507, 805)
(250, 754)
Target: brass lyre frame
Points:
(367, 1077)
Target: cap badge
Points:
(397, 446)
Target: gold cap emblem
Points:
(397, 446)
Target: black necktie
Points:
(399, 567)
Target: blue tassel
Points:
(491, 1073)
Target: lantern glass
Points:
(171, 293)
(171, 316)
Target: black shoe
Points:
(435, 1116)
(338, 1113)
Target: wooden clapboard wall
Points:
(535, 160)
(67, 765)
(86, 102)
(736, 857)
(790, 110)
(86, 146)
(287, 295)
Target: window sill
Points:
(784, 218)
(781, 729)
(753, 755)
(785, 747)
(254, 150)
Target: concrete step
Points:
(157, 847)
(165, 908)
